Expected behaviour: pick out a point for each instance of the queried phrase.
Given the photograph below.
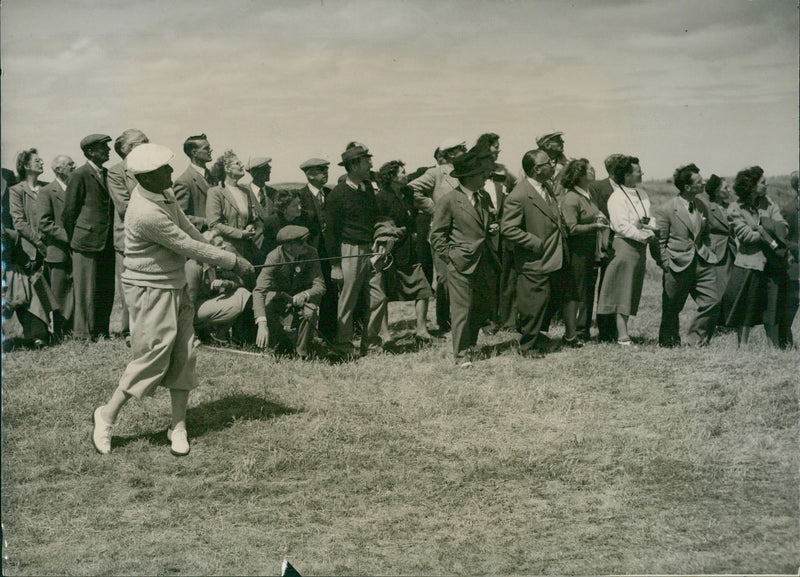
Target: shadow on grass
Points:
(496, 349)
(216, 416)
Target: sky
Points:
(714, 82)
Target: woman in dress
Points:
(404, 280)
(234, 210)
(634, 227)
(583, 219)
(758, 287)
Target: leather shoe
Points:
(101, 432)
(180, 443)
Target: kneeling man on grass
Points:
(158, 240)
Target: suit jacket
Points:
(50, 206)
(601, 191)
(681, 237)
(25, 216)
(288, 278)
(191, 190)
(120, 186)
(536, 229)
(719, 228)
(460, 234)
(790, 213)
(432, 186)
(88, 210)
(314, 216)
(222, 213)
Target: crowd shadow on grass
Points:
(216, 416)
(497, 349)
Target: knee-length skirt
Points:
(624, 279)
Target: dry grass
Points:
(600, 460)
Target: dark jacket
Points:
(88, 211)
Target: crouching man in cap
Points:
(290, 285)
(158, 240)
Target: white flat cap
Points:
(147, 157)
(449, 143)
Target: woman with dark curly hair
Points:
(758, 286)
(404, 280)
(583, 219)
(287, 210)
(234, 210)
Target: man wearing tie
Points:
(88, 220)
(260, 170)
(461, 237)
(688, 262)
(191, 187)
(312, 203)
(532, 223)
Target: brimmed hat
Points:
(357, 150)
(94, 139)
(291, 232)
(547, 137)
(257, 162)
(148, 157)
(313, 163)
(471, 162)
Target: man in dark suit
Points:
(89, 221)
(120, 186)
(312, 203)
(260, 170)
(532, 222)
(552, 144)
(58, 261)
(191, 187)
(461, 237)
(688, 261)
(601, 191)
(790, 213)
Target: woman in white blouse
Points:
(634, 227)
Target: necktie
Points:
(476, 201)
(548, 189)
(691, 206)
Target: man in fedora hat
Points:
(286, 286)
(461, 232)
(350, 215)
(260, 169)
(158, 239)
(88, 219)
(312, 202)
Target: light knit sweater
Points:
(158, 240)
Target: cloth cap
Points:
(313, 163)
(94, 139)
(547, 137)
(148, 157)
(257, 162)
(291, 232)
(472, 162)
(449, 143)
(356, 151)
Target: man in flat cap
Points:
(120, 185)
(532, 222)
(428, 189)
(289, 287)
(260, 170)
(191, 187)
(461, 236)
(688, 261)
(89, 222)
(158, 239)
(350, 215)
(312, 201)
(552, 144)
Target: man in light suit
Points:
(191, 187)
(461, 237)
(89, 221)
(312, 202)
(601, 191)
(58, 262)
(120, 186)
(532, 222)
(260, 170)
(428, 189)
(688, 262)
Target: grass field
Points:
(600, 460)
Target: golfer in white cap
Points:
(158, 240)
